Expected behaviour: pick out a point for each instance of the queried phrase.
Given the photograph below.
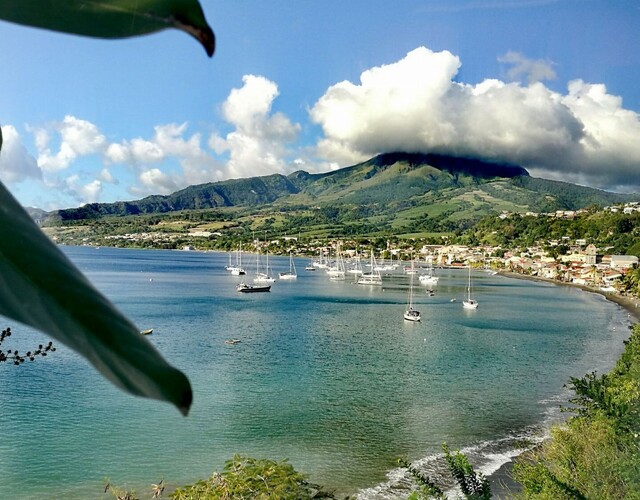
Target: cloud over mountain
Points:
(258, 143)
(416, 105)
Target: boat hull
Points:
(243, 288)
(412, 315)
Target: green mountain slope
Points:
(397, 192)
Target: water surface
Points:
(327, 374)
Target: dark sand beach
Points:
(502, 484)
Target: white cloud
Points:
(84, 193)
(156, 181)
(77, 138)
(533, 70)
(91, 192)
(258, 145)
(16, 164)
(168, 145)
(416, 105)
(107, 176)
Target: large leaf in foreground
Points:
(40, 287)
(111, 18)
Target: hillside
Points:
(397, 193)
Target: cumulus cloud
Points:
(157, 181)
(77, 138)
(258, 145)
(416, 105)
(84, 193)
(532, 70)
(107, 176)
(169, 144)
(16, 164)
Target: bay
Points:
(326, 374)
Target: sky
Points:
(550, 85)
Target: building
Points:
(623, 261)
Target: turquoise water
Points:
(327, 374)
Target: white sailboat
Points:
(430, 278)
(260, 276)
(469, 302)
(237, 269)
(373, 277)
(320, 263)
(411, 314)
(337, 271)
(356, 270)
(291, 274)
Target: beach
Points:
(631, 304)
(502, 484)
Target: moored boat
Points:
(245, 288)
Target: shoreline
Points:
(501, 481)
(630, 304)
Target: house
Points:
(623, 261)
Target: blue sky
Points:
(549, 85)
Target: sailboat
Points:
(263, 277)
(237, 270)
(429, 278)
(411, 314)
(337, 271)
(291, 274)
(356, 270)
(373, 277)
(469, 302)
(320, 263)
(247, 288)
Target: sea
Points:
(326, 374)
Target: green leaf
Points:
(111, 18)
(41, 288)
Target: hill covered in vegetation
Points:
(406, 194)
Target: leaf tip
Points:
(185, 402)
(203, 33)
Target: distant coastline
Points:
(631, 304)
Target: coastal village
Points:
(577, 261)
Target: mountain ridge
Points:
(390, 183)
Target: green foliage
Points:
(473, 485)
(596, 227)
(426, 487)
(253, 479)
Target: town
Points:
(589, 254)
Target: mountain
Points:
(402, 190)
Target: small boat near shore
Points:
(148, 331)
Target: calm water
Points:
(327, 374)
